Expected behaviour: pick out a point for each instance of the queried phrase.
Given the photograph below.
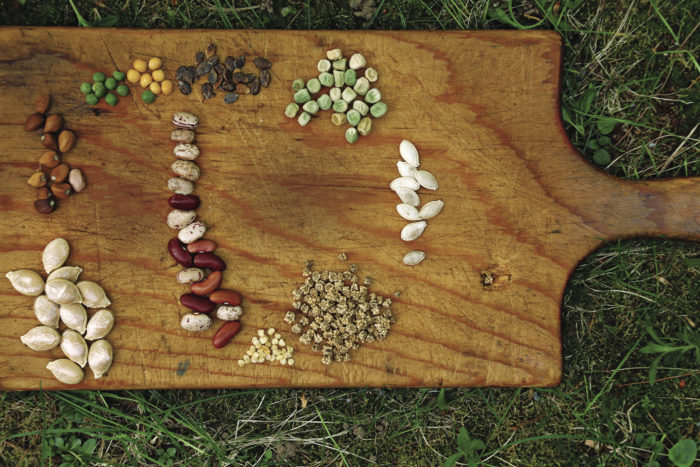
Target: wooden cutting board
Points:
(483, 110)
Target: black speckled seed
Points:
(265, 78)
(184, 87)
(262, 63)
(230, 62)
(213, 60)
(191, 74)
(220, 68)
(241, 78)
(213, 75)
(231, 98)
(228, 86)
(228, 75)
(199, 57)
(181, 73)
(207, 90)
(239, 62)
(211, 49)
(203, 68)
(254, 87)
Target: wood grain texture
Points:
(483, 110)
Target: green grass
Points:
(630, 91)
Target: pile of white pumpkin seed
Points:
(349, 93)
(61, 300)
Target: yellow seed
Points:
(154, 63)
(133, 76)
(166, 87)
(145, 80)
(158, 75)
(154, 87)
(140, 65)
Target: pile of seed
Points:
(150, 77)
(62, 300)
(349, 94)
(226, 76)
(53, 180)
(269, 347)
(411, 179)
(101, 84)
(335, 315)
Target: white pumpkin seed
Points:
(26, 282)
(46, 311)
(408, 212)
(406, 169)
(431, 209)
(69, 273)
(404, 182)
(409, 153)
(408, 196)
(41, 338)
(74, 316)
(66, 371)
(99, 325)
(100, 357)
(74, 347)
(413, 257)
(93, 295)
(426, 179)
(63, 292)
(55, 254)
(412, 231)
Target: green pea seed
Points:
(99, 89)
(351, 135)
(302, 96)
(98, 77)
(298, 84)
(111, 83)
(373, 96)
(365, 126)
(313, 85)
(291, 110)
(324, 102)
(353, 117)
(92, 99)
(326, 79)
(340, 106)
(123, 90)
(304, 119)
(336, 94)
(361, 86)
(311, 107)
(340, 64)
(350, 77)
(378, 110)
(148, 97)
(339, 78)
(118, 75)
(338, 119)
(360, 107)
(86, 88)
(111, 99)
(348, 95)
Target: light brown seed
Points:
(61, 190)
(33, 122)
(49, 159)
(49, 141)
(53, 123)
(43, 193)
(66, 140)
(37, 180)
(43, 104)
(59, 173)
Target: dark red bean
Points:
(184, 202)
(209, 261)
(226, 297)
(208, 285)
(202, 246)
(226, 333)
(179, 253)
(197, 303)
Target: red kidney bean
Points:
(197, 303)
(210, 261)
(208, 285)
(202, 246)
(225, 333)
(184, 202)
(226, 297)
(179, 253)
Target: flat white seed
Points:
(180, 186)
(192, 232)
(190, 276)
(93, 295)
(55, 254)
(409, 153)
(195, 322)
(187, 151)
(99, 325)
(431, 209)
(26, 282)
(63, 292)
(408, 212)
(323, 65)
(69, 273)
(426, 179)
(413, 257)
(66, 371)
(406, 169)
(404, 182)
(41, 338)
(74, 316)
(357, 61)
(412, 231)
(100, 357)
(46, 311)
(74, 347)
(334, 54)
(179, 219)
(408, 196)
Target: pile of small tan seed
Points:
(334, 314)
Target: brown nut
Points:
(34, 121)
(49, 141)
(59, 173)
(77, 180)
(61, 190)
(44, 206)
(49, 159)
(53, 123)
(226, 333)
(66, 140)
(208, 285)
(37, 180)
(43, 193)
(43, 104)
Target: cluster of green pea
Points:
(101, 84)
